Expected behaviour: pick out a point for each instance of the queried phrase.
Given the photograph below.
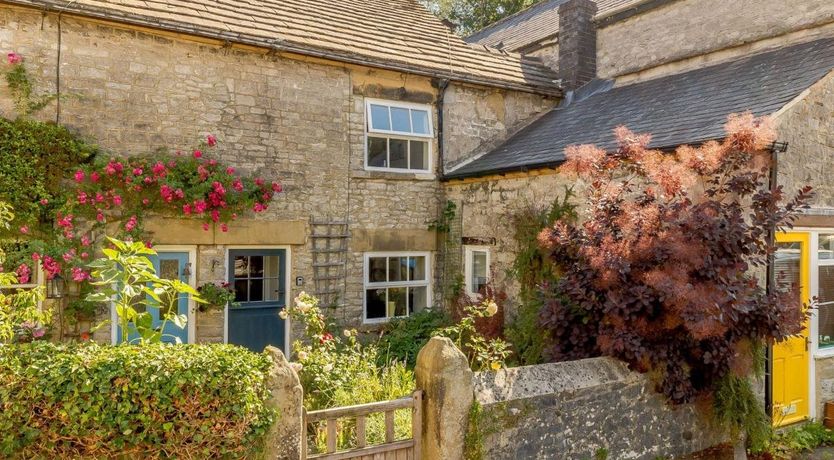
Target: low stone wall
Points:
(594, 408)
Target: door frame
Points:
(808, 261)
(287, 292)
(191, 326)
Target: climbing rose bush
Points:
(658, 271)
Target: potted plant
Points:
(217, 296)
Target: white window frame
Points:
(366, 284)
(390, 134)
(469, 266)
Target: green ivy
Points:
(149, 401)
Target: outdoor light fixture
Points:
(55, 287)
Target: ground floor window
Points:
(476, 268)
(825, 290)
(396, 284)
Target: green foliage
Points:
(149, 401)
(790, 443)
(340, 371)
(483, 353)
(444, 223)
(531, 269)
(472, 15)
(736, 407)
(217, 296)
(26, 102)
(403, 338)
(126, 275)
(38, 158)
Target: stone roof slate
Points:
(532, 25)
(686, 108)
(399, 35)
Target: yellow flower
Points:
(491, 308)
(495, 365)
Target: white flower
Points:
(296, 366)
(491, 308)
(346, 332)
(283, 314)
(327, 367)
(302, 355)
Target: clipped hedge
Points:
(149, 401)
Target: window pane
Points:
(272, 289)
(271, 266)
(419, 155)
(399, 153)
(479, 270)
(418, 299)
(786, 265)
(256, 290)
(417, 268)
(169, 269)
(397, 268)
(256, 266)
(826, 322)
(420, 121)
(375, 303)
(376, 270)
(400, 120)
(379, 117)
(826, 247)
(241, 291)
(826, 293)
(241, 266)
(377, 152)
(397, 302)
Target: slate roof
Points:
(686, 108)
(532, 25)
(393, 34)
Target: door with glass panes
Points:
(259, 279)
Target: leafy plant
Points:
(149, 401)
(532, 270)
(443, 224)
(482, 352)
(126, 276)
(216, 296)
(338, 371)
(402, 338)
(792, 442)
(658, 273)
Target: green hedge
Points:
(149, 401)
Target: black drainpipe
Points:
(770, 283)
(442, 88)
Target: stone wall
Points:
(577, 409)
(686, 28)
(291, 118)
(487, 206)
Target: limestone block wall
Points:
(686, 28)
(487, 206)
(290, 118)
(574, 410)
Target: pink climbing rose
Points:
(23, 273)
(211, 140)
(14, 58)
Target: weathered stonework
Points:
(574, 410)
(687, 28)
(285, 437)
(291, 118)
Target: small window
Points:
(258, 276)
(396, 284)
(476, 269)
(398, 136)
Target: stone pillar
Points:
(577, 43)
(283, 442)
(444, 375)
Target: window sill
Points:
(824, 353)
(392, 175)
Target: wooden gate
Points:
(391, 449)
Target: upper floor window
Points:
(398, 136)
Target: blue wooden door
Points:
(259, 279)
(169, 265)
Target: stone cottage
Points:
(353, 106)
(674, 69)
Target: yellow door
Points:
(790, 372)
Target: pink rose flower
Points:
(14, 58)
(36, 257)
(23, 273)
(198, 154)
(158, 168)
(85, 240)
(259, 207)
(131, 223)
(276, 187)
(44, 202)
(146, 201)
(211, 140)
(186, 209)
(224, 228)
(24, 230)
(206, 227)
(94, 176)
(212, 162)
(259, 182)
(100, 216)
(84, 255)
(137, 171)
(117, 200)
(230, 170)
(38, 333)
(79, 176)
(79, 275)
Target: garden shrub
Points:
(659, 272)
(148, 401)
(403, 338)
